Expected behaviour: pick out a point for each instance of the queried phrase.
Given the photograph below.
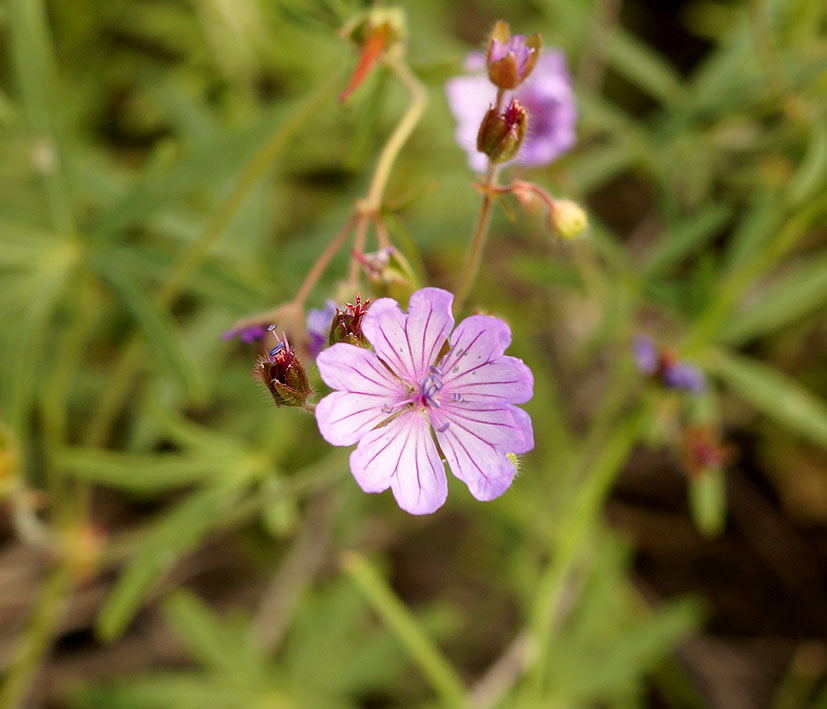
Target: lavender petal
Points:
(476, 441)
(402, 456)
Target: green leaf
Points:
(772, 393)
(810, 176)
(640, 648)
(707, 502)
(24, 352)
(24, 245)
(801, 290)
(594, 168)
(136, 473)
(173, 535)
(31, 50)
(164, 184)
(401, 621)
(754, 228)
(202, 634)
(160, 690)
(645, 67)
(157, 323)
(687, 236)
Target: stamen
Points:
(278, 348)
(387, 409)
(457, 398)
(444, 427)
(270, 328)
(430, 386)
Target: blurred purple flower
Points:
(396, 400)
(247, 333)
(546, 95)
(688, 377)
(319, 321)
(663, 364)
(646, 354)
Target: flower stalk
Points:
(473, 257)
(368, 210)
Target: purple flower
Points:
(247, 333)
(319, 321)
(424, 383)
(680, 375)
(546, 95)
(664, 364)
(516, 45)
(646, 355)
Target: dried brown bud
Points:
(282, 372)
(347, 324)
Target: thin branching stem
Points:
(319, 267)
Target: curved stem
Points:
(475, 249)
(400, 135)
(382, 237)
(358, 250)
(368, 208)
(316, 272)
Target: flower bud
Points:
(389, 273)
(568, 218)
(282, 372)
(501, 135)
(376, 31)
(388, 21)
(704, 452)
(510, 58)
(347, 324)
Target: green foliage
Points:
(332, 656)
(169, 168)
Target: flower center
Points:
(429, 387)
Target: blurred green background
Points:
(171, 539)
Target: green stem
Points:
(37, 640)
(400, 135)
(474, 256)
(371, 205)
(55, 399)
(573, 532)
(121, 380)
(436, 668)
